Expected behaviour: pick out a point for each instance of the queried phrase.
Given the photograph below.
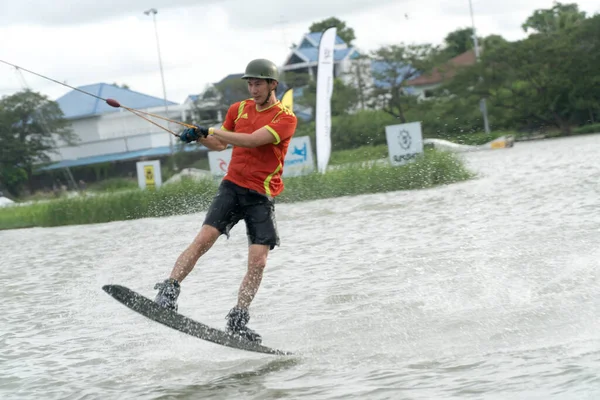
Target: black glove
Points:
(193, 134)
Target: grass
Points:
(364, 153)
(113, 185)
(431, 169)
(591, 128)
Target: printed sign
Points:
(299, 157)
(298, 160)
(149, 175)
(219, 161)
(405, 142)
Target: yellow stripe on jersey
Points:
(274, 132)
(268, 180)
(240, 110)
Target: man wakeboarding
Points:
(260, 129)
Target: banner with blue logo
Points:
(299, 157)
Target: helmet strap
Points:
(268, 95)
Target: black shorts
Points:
(233, 203)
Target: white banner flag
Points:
(324, 91)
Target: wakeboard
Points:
(172, 319)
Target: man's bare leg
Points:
(257, 260)
(239, 316)
(168, 291)
(187, 260)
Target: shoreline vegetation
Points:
(369, 172)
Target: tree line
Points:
(546, 81)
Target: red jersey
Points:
(259, 168)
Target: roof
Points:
(308, 50)
(126, 156)
(380, 67)
(78, 105)
(448, 70)
(311, 54)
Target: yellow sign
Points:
(149, 174)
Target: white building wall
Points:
(113, 146)
(120, 132)
(90, 149)
(419, 91)
(124, 123)
(86, 129)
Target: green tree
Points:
(359, 74)
(585, 42)
(232, 90)
(295, 79)
(30, 127)
(458, 42)
(12, 174)
(492, 41)
(544, 80)
(395, 65)
(561, 16)
(343, 99)
(461, 40)
(349, 131)
(359, 129)
(210, 93)
(343, 31)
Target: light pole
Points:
(154, 11)
(482, 103)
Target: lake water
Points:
(484, 289)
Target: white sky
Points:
(91, 41)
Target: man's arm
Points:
(257, 138)
(212, 143)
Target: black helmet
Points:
(261, 69)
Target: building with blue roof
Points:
(304, 57)
(78, 105)
(108, 134)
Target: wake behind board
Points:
(172, 319)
